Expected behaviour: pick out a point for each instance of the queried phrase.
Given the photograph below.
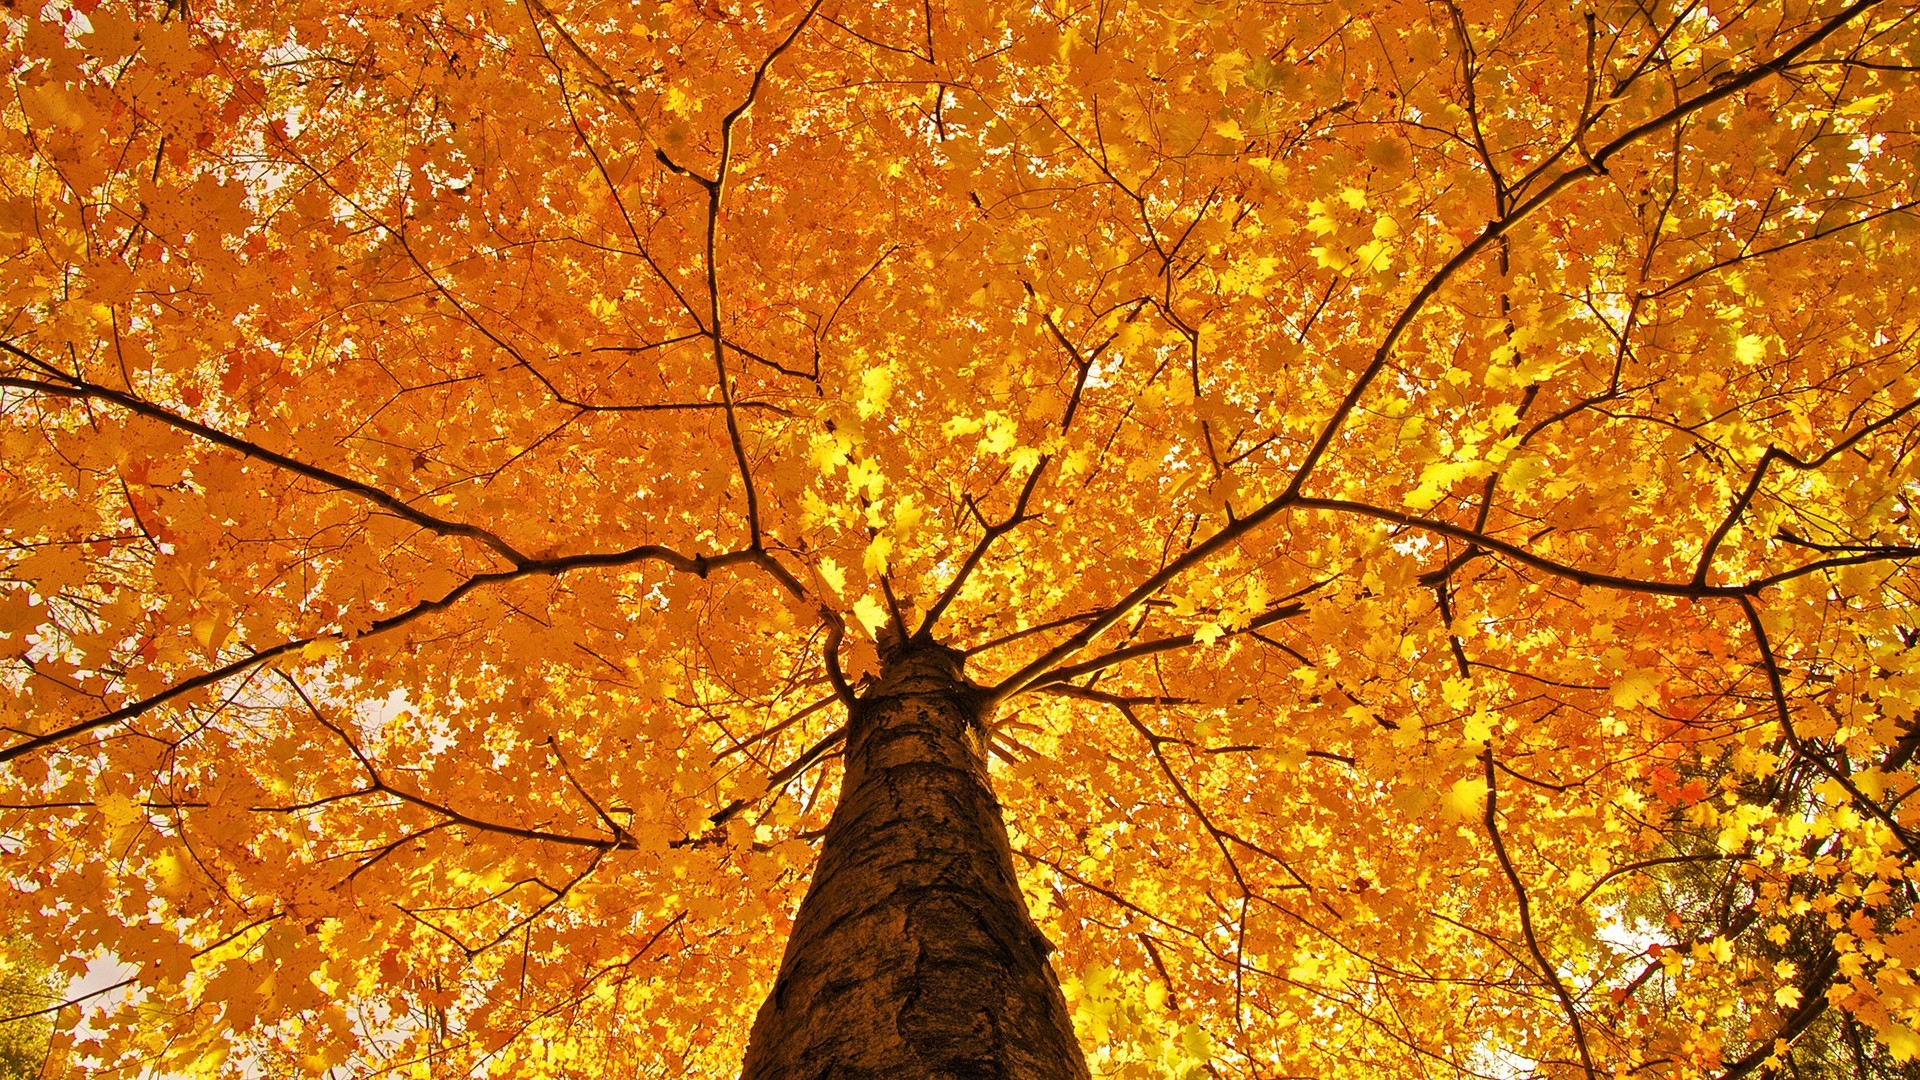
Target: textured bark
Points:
(913, 954)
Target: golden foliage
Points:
(1431, 485)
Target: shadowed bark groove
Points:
(913, 954)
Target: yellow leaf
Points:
(871, 614)
(1466, 798)
(906, 516)
(322, 648)
(832, 575)
(1902, 1042)
(1196, 1042)
(1634, 688)
(212, 633)
(1437, 480)
(118, 809)
(875, 562)
(1329, 258)
(865, 474)
(1374, 255)
(876, 386)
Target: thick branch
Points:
(716, 190)
(80, 388)
(698, 565)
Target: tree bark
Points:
(912, 955)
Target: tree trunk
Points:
(913, 954)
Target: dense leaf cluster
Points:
(1427, 491)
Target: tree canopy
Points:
(1428, 488)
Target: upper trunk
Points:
(913, 954)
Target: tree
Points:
(25, 991)
(1276, 539)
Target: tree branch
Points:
(80, 388)
(698, 565)
(1547, 972)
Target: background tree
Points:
(26, 992)
(1426, 489)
